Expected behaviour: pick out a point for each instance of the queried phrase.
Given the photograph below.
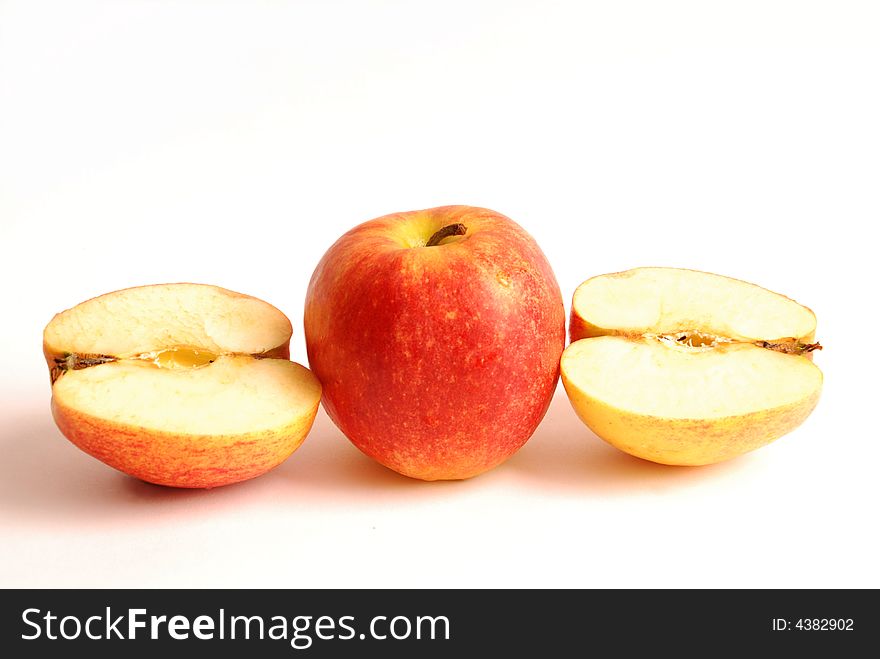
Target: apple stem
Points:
(74, 362)
(449, 230)
(791, 347)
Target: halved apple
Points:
(185, 385)
(688, 368)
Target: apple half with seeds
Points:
(185, 385)
(688, 368)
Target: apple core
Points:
(695, 340)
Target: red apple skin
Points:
(438, 362)
(176, 460)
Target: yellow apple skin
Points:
(687, 442)
(178, 460)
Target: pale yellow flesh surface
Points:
(653, 378)
(151, 318)
(665, 300)
(233, 395)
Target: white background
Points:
(233, 142)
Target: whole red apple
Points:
(436, 335)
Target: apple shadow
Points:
(329, 462)
(565, 456)
(44, 478)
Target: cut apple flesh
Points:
(651, 378)
(148, 319)
(685, 367)
(666, 301)
(180, 384)
(233, 395)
